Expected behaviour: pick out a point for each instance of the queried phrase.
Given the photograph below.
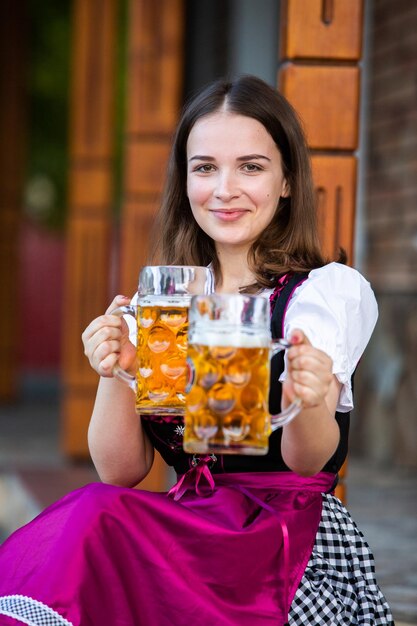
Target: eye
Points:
(251, 168)
(204, 168)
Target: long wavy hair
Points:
(290, 242)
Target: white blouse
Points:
(337, 310)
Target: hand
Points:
(309, 373)
(106, 340)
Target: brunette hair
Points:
(290, 242)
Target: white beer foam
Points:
(235, 339)
(174, 301)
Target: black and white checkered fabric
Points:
(30, 611)
(339, 587)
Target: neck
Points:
(235, 271)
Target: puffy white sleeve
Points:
(337, 310)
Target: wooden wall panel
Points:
(90, 197)
(155, 52)
(155, 88)
(319, 74)
(148, 177)
(327, 98)
(13, 38)
(335, 183)
(322, 29)
(135, 238)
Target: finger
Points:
(105, 367)
(117, 302)
(100, 336)
(125, 356)
(308, 379)
(107, 333)
(307, 358)
(292, 391)
(320, 383)
(311, 368)
(298, 337)
(98, 323)
(104, 349)
(308, 396)
(106, 319)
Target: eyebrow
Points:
(252, 157)
(201, 157)
(247, 157)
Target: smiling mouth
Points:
(229, 214)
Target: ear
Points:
(285, 190)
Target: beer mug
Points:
(161, 316)
(229, 351)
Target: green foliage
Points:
(48, 91)
(50, 40)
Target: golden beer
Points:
(161, 358)
(227, 403)
(161, 315)
(229, 354)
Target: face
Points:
(234, 178)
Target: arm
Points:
(121, 452)
(337, 310)
(313, 436)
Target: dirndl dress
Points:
(240, 549)
(238, 541)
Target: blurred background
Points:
(90, 91)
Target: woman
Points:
(269, 544)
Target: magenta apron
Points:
(223, 549)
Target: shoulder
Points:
(337, 310)
(336, 273)
(338, 283)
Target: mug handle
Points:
(288, 414)
(118, 372)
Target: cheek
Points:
(264, 192)
(198, 214)
(268, 199)
(197, 193)
(194, 199)
(268, 207)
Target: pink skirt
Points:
(226, 549)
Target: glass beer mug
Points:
(229, 352)
(161, 315)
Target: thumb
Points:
(297, 338)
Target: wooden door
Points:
(154, 80)
(155, 71)
(88, 243)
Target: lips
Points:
(229, 215)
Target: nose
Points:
(227, 187)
